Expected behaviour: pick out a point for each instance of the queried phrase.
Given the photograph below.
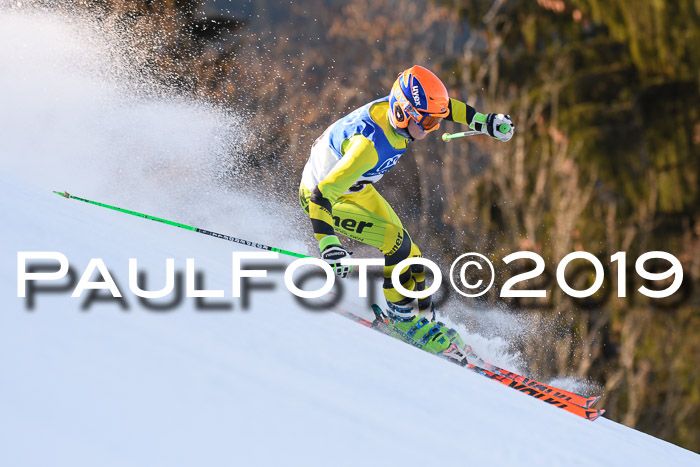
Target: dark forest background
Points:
(606, 156)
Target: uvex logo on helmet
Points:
(414, 89)
(416, 94)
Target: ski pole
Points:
(446, 137)
(186, 227)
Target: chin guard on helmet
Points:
(419, 95)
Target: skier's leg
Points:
(367, 217)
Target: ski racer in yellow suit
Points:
(337, 188)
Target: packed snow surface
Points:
(101, 384)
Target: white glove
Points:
(333, 252)
(499, 126)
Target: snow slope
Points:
(275, 384)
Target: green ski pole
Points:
(446, 137)
(186, 227)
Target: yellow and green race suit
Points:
(337, 189)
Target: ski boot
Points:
(419, 328)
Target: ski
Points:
(588, 414)
(568, 396)
(571, 397)
(548, 394)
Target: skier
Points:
(337, 189)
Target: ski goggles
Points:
(428, 122)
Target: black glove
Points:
(333, 253)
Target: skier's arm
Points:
(460, 112)
(360, 156)
(489, 124)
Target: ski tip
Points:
(64, 194)
(594, 414)
(590, 402)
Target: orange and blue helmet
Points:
(419, 95)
